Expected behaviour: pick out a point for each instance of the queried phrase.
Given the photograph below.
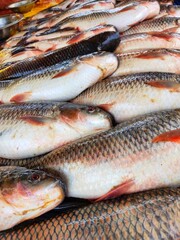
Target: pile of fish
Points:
(90, 109)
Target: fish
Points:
(26, 194)
(40, 47)
(63, 81)
(136, 155)
(99, 5)
(129, 96)
(155, 25)
(32, 129)
(151, 60)
(106, 41)
(122, 19)
(147, 215)
(171, 10)
(155, 40)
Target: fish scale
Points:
(126, 157)
(147, 215)
(154, 25)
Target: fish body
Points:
(147, 215)
(151, 60)
(62, 81)
(128, 96)
(154, 40)
(32, 129)
(26, 194)
(155, 25)
(92, 6)
(139, 154)
(39, 47)
(122, 19)
(106, 41)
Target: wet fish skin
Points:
(150, 60)
(153, 40)
(150, 215)
(57, 82)
(40, 47)
(155, 25)
(92, 6)
(107, 41)
(26, 194)
(122, 19)
(129, 96)
(136, 155)
(32, 129)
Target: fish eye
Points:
(34, 177)
(91, 109)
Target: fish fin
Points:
(36, 121)
(63, 73)
(106, 106)
(172, 86)
(21, 97)
(126, 9)
(150, 56)
(162, 35)
(76, 38)
(170, 136)
(116, 191)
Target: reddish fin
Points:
(99, 30)
(76, 38)
(20, 97)
(150, 56)
(127, 9)
(162, 35)
(171, 136)
(106, 106)
(36, 121)
(62, 73)
(117, 191)
(172, 86)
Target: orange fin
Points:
(36, 121)
(62, 73)
(76, 38)
(170, 136)
(150, 56)
(21, 97)
(172, 86)
(117, 191)
(165, 36)
(106, 106)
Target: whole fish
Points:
(32, 129)
(122, 19)
(132, 95)
(147, 215)
(63, 81)
(56, 43)
(99, 5)
(106, 41)
(153, 40)
(139, 154)
(155, 25)
(40, 47)
(26, 194)
(152, 60)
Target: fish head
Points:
(105, 61)
(31, 192)
(85, 119)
